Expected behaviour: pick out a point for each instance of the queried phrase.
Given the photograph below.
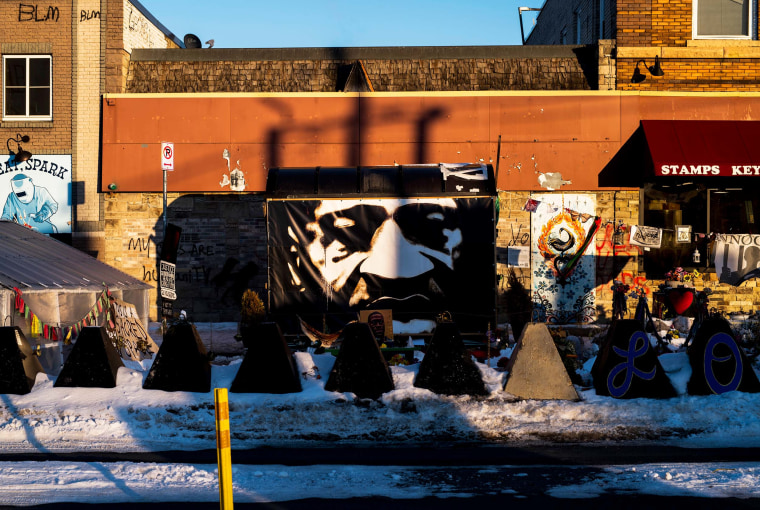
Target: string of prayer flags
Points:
(531, 205)
(53, 332)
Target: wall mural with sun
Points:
(562, 264)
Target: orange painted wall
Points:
(574, 134)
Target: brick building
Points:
(58, 59)
(224, 251)
(707, 51)
(555, 121)
(705, 46)
(574, 22)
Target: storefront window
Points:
(669, 206)
(733, 211)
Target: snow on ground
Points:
(128, 418)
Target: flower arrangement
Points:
(675, 275)
(680, 275)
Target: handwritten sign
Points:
(127, 333)
(646, 237)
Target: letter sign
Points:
(167, 156)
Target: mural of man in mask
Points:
(30, 205)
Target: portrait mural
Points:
(36, 193)
(562, 262)
(417, 257)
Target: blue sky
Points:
(345, 23)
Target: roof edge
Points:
(355, 53)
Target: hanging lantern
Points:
(696, 257)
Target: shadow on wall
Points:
(221, 253)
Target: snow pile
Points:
(130, 418)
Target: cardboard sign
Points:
(646, 237)
(127, 333)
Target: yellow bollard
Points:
(223, 456)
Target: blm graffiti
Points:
(127, 333)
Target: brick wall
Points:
(671, 22)
(86, 77)
(138, 31)
(222, 247)
(41, 29)
(634, 22)
(128, 28)
(559, 15)
(694, 74)
(664, 28)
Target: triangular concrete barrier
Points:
(92, 363)
(268, 365)
(182, 362)
(718, 364)
(627, 366)
(19, 366)
(447, 368)
(360, 367)
(535, 368)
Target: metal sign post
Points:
(167, 163)
(166, 269)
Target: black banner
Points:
(418, 257)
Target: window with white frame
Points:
(27, 87)
(722, 19)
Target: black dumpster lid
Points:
(444, 179)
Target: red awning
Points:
(709, 148)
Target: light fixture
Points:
(112, 186)
(654, 70)
(696, 257)
(20, 155)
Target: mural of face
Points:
(389, 253)
(418, 258)
(23, 188)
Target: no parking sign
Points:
(167, 156)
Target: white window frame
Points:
(751, 6)
(27, 116)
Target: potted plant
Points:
(252, 313)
